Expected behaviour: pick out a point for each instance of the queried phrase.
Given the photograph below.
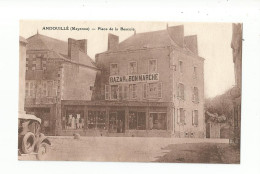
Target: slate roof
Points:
(153, 39)
(58, 48)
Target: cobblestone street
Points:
(140, 149)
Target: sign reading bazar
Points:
(134, 78)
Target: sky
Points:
(213, 43)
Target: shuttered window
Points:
(195, 94)
(125, 92)
(107, 92)
(181, 115)
(132, 91)
(30, 89)
(195, 117)
(181, 94)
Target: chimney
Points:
(73, 49)
(113, 41)
(191, 43)
(177, 34)
(83, 46)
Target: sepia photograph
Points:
(125, 91)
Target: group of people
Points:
(74, 122)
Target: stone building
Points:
(151, 84)
(236, 45)
(56, 71)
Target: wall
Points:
(190, 81)
(22, 63)
(141, 57)
(77, 82)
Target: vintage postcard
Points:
(119, 91)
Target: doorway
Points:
(117, 121)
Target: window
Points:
(181, 116)
(137, 120)
(181, 91)
(73, 120)
(195, 97)
(118, 92)
(30, 89)
(114, 92)
(195, 72)
(132, 68)
(113, 69)
(181, 66)
(96, 120)
(195, 117)
(49, 89)
(157, 121)
(38, 64)
(154, 90)
(152, 66)
(132, 91)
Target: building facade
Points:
(56, 71)
(152, 85)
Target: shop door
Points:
(117, 122)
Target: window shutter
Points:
(120, 89)
(196, 121)
(107, 92)
(130, 91)
(144, 90)
(193, 118)
(184, 116)
(125, 92)
(134, 91)
(178, 116)
(160, 90)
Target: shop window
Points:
(181, 66)
(157, 121)
(132, 91)
(181, 116)
(73, 120)
(195, 117)
(195, 94)
(181, 91)
(114, 92)
(96, 120)
(137, 120)
(30, 89)
(132, 67)
(38, 64)
(152, 66)
(113, 69)
(154, 90)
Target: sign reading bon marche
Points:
(134, 78)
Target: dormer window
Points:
(113, 69)
(132, 67)
(152, 66)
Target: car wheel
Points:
(42, 151)
(28, 143)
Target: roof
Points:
(153, 39)
(147, 40)
(58, 48)
(29, 117)
(22, 39)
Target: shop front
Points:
(115, 119)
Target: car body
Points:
(30, 139)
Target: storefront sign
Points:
(134, 78)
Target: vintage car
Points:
(30, 140)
